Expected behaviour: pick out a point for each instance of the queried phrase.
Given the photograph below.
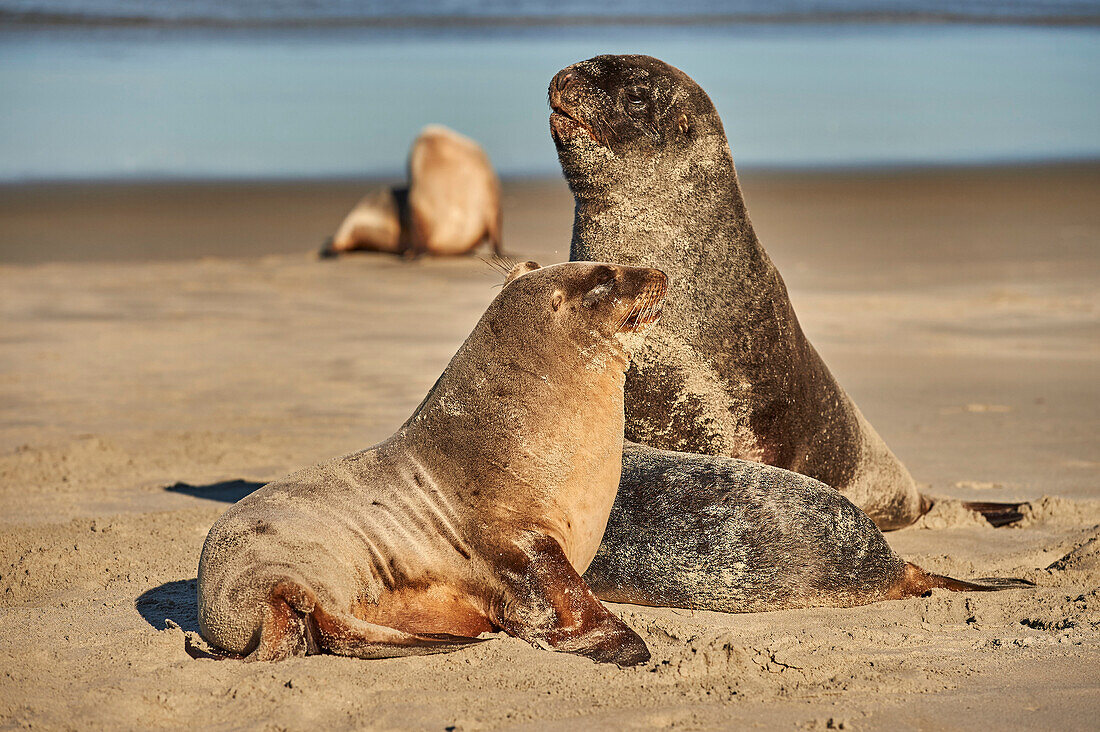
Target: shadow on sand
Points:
(229, 491)
(174, 601)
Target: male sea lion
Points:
(736, 536)
(479, 514)
(451, 204)
(728, 371)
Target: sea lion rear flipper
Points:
(295, 624)
(916, 581)
(998, 514)
(547, 602)
(346, 635)
(982, 584)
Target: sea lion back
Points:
(735, 536)
(454, 195)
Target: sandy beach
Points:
(168, 347)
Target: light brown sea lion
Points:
(729, 370)
(716, 533)
(373, 225)
(451, 204)
(479, 514)
(454, 195)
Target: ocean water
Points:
(120, 88)
(315, 12)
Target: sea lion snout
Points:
(569, 116)
(561, 81)
(647, 287)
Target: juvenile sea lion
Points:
(479, 514)
(373, 225)
(737, 536)
(451, 204)
(729, 370)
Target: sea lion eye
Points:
(597, 293)
(635, 99)
(605, 278)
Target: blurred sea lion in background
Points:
(728, 371)
(374, 225)
(478, 514)
(451, 204)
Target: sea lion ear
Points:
(684, 123)
(521, 269)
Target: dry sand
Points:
(139, 396)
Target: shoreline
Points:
(162, 220)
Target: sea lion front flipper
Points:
(546, 601)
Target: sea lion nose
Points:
(562, 81)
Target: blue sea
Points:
(323, 88)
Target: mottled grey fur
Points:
(728, 371)
(717, 533)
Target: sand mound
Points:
(949, 513)
(1059, 512)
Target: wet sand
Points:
(168, 347)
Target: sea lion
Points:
(451, 203)
(373, 225)
(479, 514)
(736, 536)
(454, 195)
(729, 370)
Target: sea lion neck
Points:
(684, 214)
(555, 426)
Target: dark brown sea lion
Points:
(729, 370)
(479, 514)
(716, 533)
(451, 204)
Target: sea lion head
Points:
(612, 114)
(588, 303)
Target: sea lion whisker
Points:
(506, 262)
(647, 315)
(629, 315)
(608, 135)
(491, 264)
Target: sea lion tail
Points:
(998, 514)
(197, 647)
(916, 581)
